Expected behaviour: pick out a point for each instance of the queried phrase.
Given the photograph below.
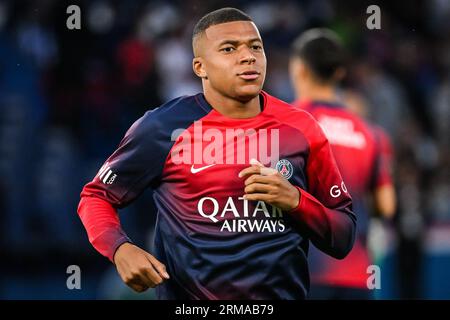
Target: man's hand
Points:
(268, 185)
(139, 269)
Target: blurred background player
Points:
(380, 229)
(317, 66)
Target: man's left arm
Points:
(324, 211)
(325, 208)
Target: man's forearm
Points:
(332, 230)
(102, 225)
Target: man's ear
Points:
(197, 66)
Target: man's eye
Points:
(257, 47)
(227, 49)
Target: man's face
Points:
(231, 60)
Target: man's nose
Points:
(247, 56)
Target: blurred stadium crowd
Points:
(67, 97)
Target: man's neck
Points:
(317, 92)
(233, 108)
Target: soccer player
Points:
(317, 65)
(228, 225)
(385, 196)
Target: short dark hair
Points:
(322, 50)
(217, 17)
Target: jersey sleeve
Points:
(325, 208)
(135, 165)
(102, 224)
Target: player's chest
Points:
(212, 161)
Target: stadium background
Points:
(67, 97)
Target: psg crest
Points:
(285, 168)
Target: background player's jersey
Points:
(215, 244)
(358, 153)
(386, 156)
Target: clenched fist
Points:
(268, 185)
(139, 269)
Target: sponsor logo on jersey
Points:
(106, 175)
(335, 191)
(238, 215)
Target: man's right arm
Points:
(102, 224)
(134, 166)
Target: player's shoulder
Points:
(380, 131)
(364, 126)
(288, 113)
(336, 110)
(294, 116)
(171, 115)
(382, 137)
(178, 107)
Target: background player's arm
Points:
(385, 200)
(126, 173)
(384, 195)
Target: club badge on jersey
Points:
(285, 168)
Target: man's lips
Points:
(249, 75)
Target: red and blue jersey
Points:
(386, 157)
(214, 243)
(363, 163)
